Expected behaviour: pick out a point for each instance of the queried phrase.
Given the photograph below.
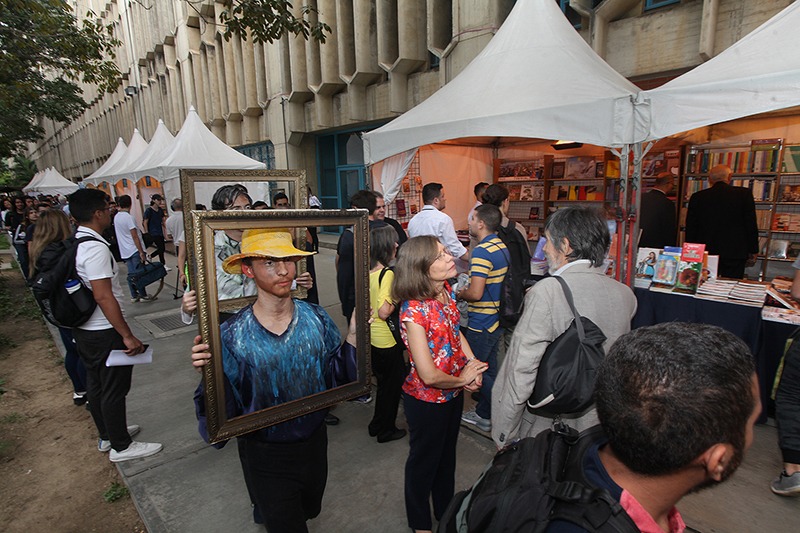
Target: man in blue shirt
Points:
(274, 351)
(487, 270)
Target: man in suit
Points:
(657, 219)
(723, 217)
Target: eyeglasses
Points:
(443, 255)
(240, 208)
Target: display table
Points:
(765, 339)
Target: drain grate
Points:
(168, 323)
(165, 323)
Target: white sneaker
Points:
(136, 450)
(105, 445)
(168, 269)
(473, 418)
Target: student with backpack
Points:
(105, 330)
(518, 278)
(386, 351)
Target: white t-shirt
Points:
(94, 261)
(175, 225)
(123, 224)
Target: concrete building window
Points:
(655, 4)
(263, 152)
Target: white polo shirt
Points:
(123, 224)
(94, 261)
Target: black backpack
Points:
(393, 320)
(534, 482)
(518, 276)
(62, 306)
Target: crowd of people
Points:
(661, 440)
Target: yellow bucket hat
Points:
(275, 243)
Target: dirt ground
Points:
(53, 477)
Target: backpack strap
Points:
(568, 296)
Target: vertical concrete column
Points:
(358, 53)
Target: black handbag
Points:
(567, 371)
(393, 320)
(148, 273)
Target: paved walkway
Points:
(192, 487)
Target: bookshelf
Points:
(771, 171)
(544, 182)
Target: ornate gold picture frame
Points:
(199, 186)
(210, 223)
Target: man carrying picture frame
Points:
(274, 351)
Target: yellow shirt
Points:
(381, 336)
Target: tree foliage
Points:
(44, 53)
(269, 20)
(17, 174)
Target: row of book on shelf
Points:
(762, 189)
(575, 168)
(762, 156)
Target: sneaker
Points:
(471, 417)
(331, 419)
(148, 298)
(362, 399)
(168, 269)
(136, 450)
(786, 485)
(79, 398)
(105, 445)
(135, 300)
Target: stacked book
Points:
(716, 289)
(749, 293)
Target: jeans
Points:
(72, 363)
(485, 345)
(134, 262)
(787, 406)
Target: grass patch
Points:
(115, 492)
(2, 388)
(4, 244)
(12, 418)
(4, 446)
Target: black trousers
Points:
(431, 464)
(286, 480)
(389, 368)
(106, 387)
(787, 407)
(158, 242)
(731, 268)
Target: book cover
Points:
(573, 193)
(688, 277)
(580, 168)
(534, 213)
(666, 269)
(791, 159)
(400, 205)
(790, 193)
(692, 252)
(646, 259)
(526, 193)
(599, 169)
(514, 193)
(778, 249)
(406, 185)
(612, 168)
(779, 293)
(558, 169)
(711, 267)
(538, 193)
(413, 209)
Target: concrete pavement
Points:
(191, 486)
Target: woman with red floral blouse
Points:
(442, 364)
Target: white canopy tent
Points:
(537, 78)
(160, 145)
(757, 74)
(116, 155)
(35, 179)
(136, 147)
(51, 182)
(195, 147)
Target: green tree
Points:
(18, 174)
(269, 20)
(44, 53)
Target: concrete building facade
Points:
(295, 103)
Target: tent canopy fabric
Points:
(102, 172)
(136, 148)
(52, 182)
(757, 74)
(520, 85)
(160, 145)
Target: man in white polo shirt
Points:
(106, 330)
(131, 247)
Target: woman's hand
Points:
(476, 385)
(471, 373)
(189, 302)
(200, 354)
(305, 280)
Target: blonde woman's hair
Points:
(53, 226)
(411, 270)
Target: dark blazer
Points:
(723, 217)
(657, 222)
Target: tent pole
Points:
(622, 210)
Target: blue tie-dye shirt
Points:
(265, 369)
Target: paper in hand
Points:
(120, 358)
